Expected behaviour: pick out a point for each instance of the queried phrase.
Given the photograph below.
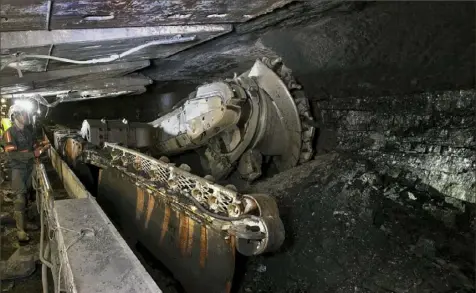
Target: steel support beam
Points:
(25, 39)
(66, 14)
(81, 74)
(129, 82)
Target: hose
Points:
(42, 236)
(81, 234)
(44, 263)
(44, 271)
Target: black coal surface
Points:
(351, 229)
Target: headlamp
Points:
(27, 105)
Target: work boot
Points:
(20, 220)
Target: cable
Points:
(44, 271)
(13, 59)
(58, 288)
(18, 57)
(81, 234)
(42, 233)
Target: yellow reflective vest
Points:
(5, 124)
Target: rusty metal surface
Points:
(197, 253)
(71, 183)
(72, 149)
(176, 180)
(194, 241)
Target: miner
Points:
(20, 144)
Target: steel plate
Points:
(198, 256)
(287, 111)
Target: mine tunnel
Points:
(242, 146)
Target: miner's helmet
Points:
(15, 111)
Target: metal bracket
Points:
(48, 15)
(49, 54)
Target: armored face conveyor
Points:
(78, 243)
(189, 223)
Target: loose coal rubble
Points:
(351, 229)
(379, 208)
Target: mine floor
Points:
(9, 244)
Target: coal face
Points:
(351, 229)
